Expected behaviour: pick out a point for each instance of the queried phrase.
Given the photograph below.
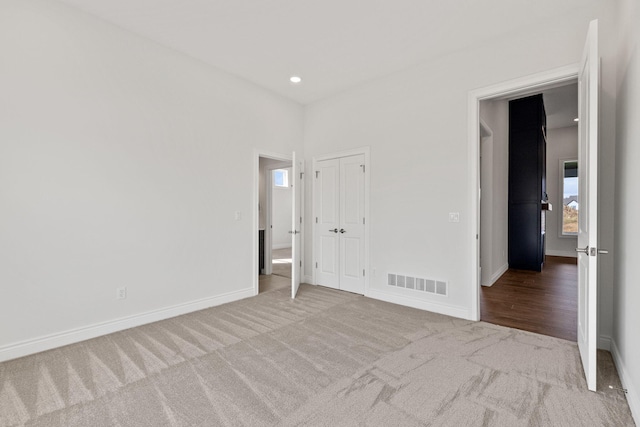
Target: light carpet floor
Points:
(327, 358)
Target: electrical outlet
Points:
(121, 293)
(454, 216)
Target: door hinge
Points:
(316, 220)
(316, 265)
(363, 221)
(363, 273)
(300, 220)
(317, 173)
(301, 173)
(363, 168)
(300, 263)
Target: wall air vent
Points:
(437, 287)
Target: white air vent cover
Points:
(431, 286)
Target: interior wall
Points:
(415, 123)
(626, 340)
(122, 164)
(495, 195)
(282, 199)
(562, 144)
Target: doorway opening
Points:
(527, 259)
(528, 265)
(274, 222)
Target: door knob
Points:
(342, 231)
(335, 230)
(583, 250)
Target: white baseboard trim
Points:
(604, 342)
(569, 254)
(633, 398)
(494, 278)
(307, 279)
(419, 303)
(281, 246)
(48, 342)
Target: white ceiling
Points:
(332, 44)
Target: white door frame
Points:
(520, 86)
(255, 213)
(367, 161)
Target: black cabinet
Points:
(260, 251)
(527, 182)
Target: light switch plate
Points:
(454, 216)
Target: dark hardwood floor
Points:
(545, 303)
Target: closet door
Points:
(327, 225)
(339, 237)
(352, 224)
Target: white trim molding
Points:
(494, 278)
(567, 254)
(435, 307)
(72, 336)
(633, 394)
(604, 342)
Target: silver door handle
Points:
(294, 232)
(603, 251)
(342, 230)
(335, 230)
(583, 250)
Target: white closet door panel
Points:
(328, 179)
(327, 225)
(352, 224)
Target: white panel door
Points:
(327, 223)
(296, 223)
(588, 83)
(352, 224)
(340, 229)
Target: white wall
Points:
(562, 143)
(122, 163)
(626, 339)
(265, 165)
(282, 216)
(415, 123)
(495, 195)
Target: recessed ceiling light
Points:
(576, 119)
(295, 80)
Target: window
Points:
(281, 178)
(570, 200)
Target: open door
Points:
(296, 222)
(588, 88)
